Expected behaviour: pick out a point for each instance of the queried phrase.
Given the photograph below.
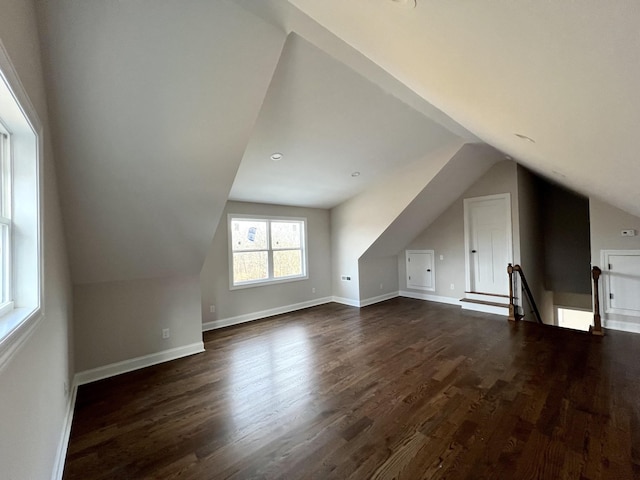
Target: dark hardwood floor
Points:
(404, 389)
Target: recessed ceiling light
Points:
(276, 156)
(355, 174)
(524, 137)
(405, 3)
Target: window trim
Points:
(17, 325)
(6, 263)
(271, 280)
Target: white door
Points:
(488, 243)
(420, 270)
(623, 282)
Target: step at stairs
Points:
(486, 302)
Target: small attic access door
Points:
(621, 269)
(420, 270)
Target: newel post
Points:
(596, 328)
(512, 307)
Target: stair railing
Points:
(513, 270)
(596, 328)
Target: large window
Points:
(20, 220)
(266, 250)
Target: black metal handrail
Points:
(513, 315)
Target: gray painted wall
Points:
(378, 276)
(446, 234)
(214, 278)
(33, 402)
(567, 251)
(117, 321)
(532, 244)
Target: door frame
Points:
(467, 239)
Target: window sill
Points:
(15, 328)
(264, 283)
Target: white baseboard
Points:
(249, 317)
(380, 298)
(479, 307)
(125, 366)
(351, 302)
(431, 298)
(622, 326)
(61, 454)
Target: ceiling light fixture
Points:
(355, 174)
(276, 156)
(524, 137)
(405, 3)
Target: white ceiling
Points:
(152, 105)
(563, 73)
(156, 105)
(328, 122)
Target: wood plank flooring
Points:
(404, 389)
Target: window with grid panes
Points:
(266, 250)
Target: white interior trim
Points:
(351, 302)
(63, 445)
(379, 298)
(431, 298)
(137, 363)
(22, 120)
(249, 317)
(621, 325)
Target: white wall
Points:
(606, 222)
(33, 402)
(214, 277)
(446, 234)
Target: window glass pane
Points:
(287, 263)
(4, 239)
(4, 156)
(285, 234)
(250, 266)
(248, 235)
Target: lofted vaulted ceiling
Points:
(159, 105)
(330, 123)
(563, 73)
(162, 109)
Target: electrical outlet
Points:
(66, 389)
(345, 278)
(628, 233)
(381, 286)
(166, 333)
(313, 290)
(441, 257)
(452, 287)
(212, 309)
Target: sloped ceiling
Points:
(565, 74)
(328, 122)
(157, 103)
(153, 103)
